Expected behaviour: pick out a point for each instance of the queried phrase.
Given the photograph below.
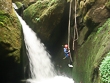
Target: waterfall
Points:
(40, 64)
(41, 67)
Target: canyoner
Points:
(66, 47)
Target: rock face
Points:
(10, 43)
(44, 17)
(93, 43)
(48, 18)
(89, 55)
(93, 26)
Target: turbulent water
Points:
(41, 67)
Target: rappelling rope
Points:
(69, 29)
(75, 28)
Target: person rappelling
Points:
(66, 51)
(66, 47)
(67, 54)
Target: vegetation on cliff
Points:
(90, 54)
(10, 43)
(105, 69)
(10, 35)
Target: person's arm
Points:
(64, 57)
(69, 50)
(66, 50)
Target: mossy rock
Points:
(97, 13)
(105, 69)
(10, 46)
(16, 0)
(90, 54)
(19, 4)
(43, 17)
(10, 35)
(107, 4)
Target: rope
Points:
(69, 25)
(75, 28)
(69, 30)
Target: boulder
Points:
(44, 17)
(10, 43)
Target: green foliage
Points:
(3, 19)
(52, 2)
(106, 24)
(99, 29)
(19, 4)
(105, 69)
(37, 19)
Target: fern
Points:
(105, 69)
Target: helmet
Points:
(66, 46)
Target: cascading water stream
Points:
(40, 64)
(41, 67)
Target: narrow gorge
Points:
(49, 20)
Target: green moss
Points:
(95, 39)
(10, 32)
(99, 29)
(86, 17)
(2, 12)
(3, 18)
(18, 4)
(37, 19)
(91, 2)
(89, 55)
(52, 2)
(107, 4)
(32, 16)
(25, 2)
(2, 24)
(106, 24)
(44, 9)
(105, 69)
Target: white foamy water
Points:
(56, 79)
(40, 64)
(41, 67)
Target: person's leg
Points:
(70, 63)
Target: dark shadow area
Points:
(62, 32)
(91, 26)
(9, 69)
(24, 61)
